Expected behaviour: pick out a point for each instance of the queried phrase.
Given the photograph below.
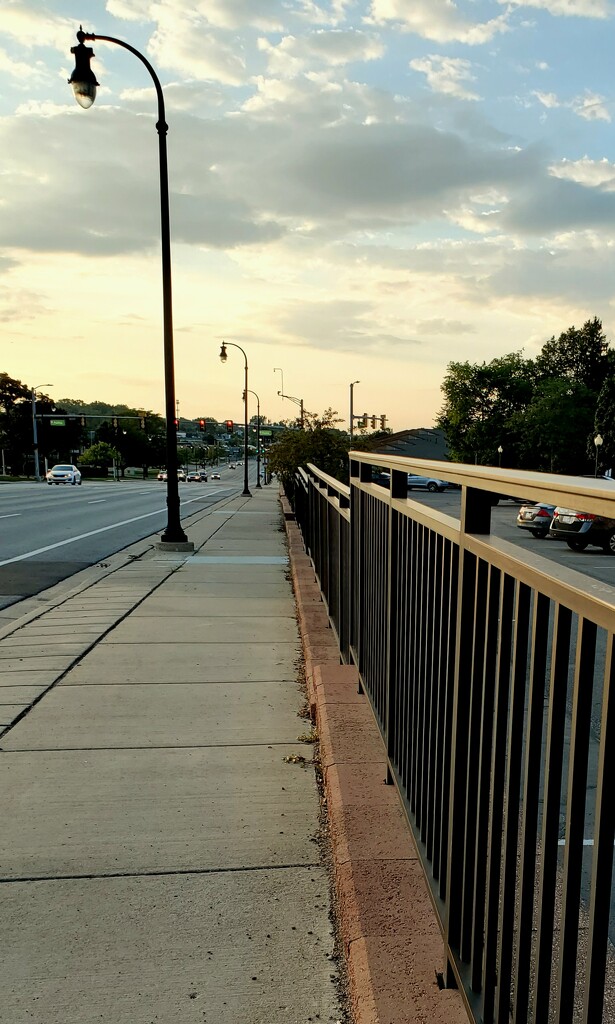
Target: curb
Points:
(392, 941)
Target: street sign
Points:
(57, 423)
(266, 433)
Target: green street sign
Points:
(266, 433)
(57, 423)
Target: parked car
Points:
(63, 474)
(580, 529)
(428, 483)
(536, 517)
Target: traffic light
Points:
(202, 425)
(383, 422)
(82, 421)
(114, 422)
(142, 422)
(373, 422)
(363, 421)
(176, 422)
(229, 425)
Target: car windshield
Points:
(68, 468)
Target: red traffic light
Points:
(229, 425)
(201, 424)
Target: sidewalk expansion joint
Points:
(171, 872)
(158, 746)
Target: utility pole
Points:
(352, 409)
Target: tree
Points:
(551, 433)
(580, 355)
(101, 455)
(604, 424)
(319, 442)
(480, 400)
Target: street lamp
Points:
(352, 409)
(223, 357)
(258, 440)
(84, 85)
(500, 450)
(37, 470)
(598, 441)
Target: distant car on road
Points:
(200, 476)
(162, 475)
(63, 474)
(536, 517)
(181, 474)
(215, 476)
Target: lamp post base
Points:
(174, 545)
(246, 493)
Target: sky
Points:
(360, 190)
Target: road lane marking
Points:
(84, 536)
(10, 515)
(96, 501)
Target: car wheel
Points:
(577, 545)
(539, 534)
(609, 544)
(50, 483)
(73, 482)
(79, 482)
(432, 487)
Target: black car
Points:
(580, 529)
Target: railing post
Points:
(398, 489)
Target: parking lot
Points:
(593, 561)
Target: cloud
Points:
(188, 45)
(341, 325)
(568, 8)
(446, 75)
(438, 20)
(590, 107)
(293, 55)
(548, 99)
(226, 14)
(592, 173)
(437, 326)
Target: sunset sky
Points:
(360, 190)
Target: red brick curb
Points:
(391, 937)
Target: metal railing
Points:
(491, 675)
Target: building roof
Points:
(420, 443)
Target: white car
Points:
(63, 475)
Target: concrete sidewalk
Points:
(158, 859)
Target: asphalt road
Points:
(49, 533)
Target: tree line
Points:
(544, 413)
(94, 434)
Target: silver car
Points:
(426, 483)
(63, 474)
(536, 517)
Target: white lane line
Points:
(83, 536)
(10, 515)
(96, 501)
